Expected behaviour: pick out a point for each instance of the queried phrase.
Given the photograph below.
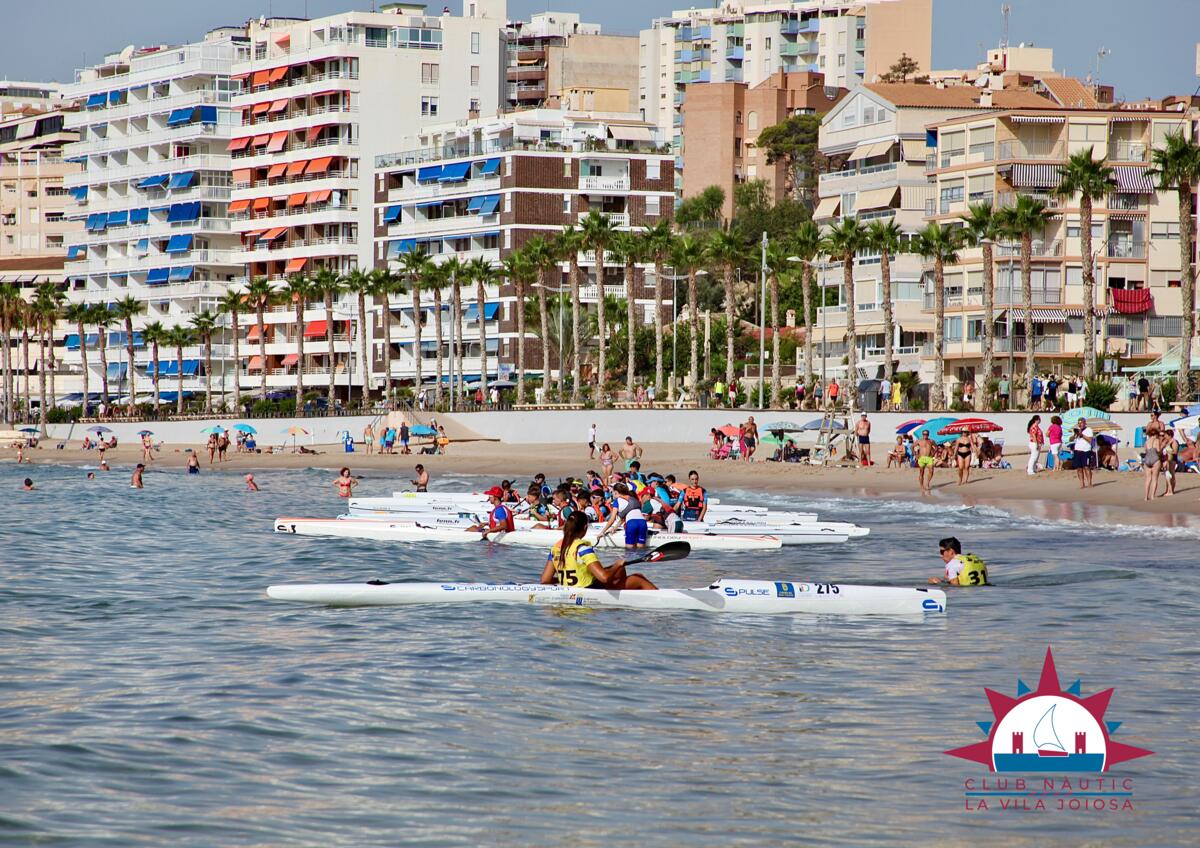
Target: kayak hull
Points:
(728, 596)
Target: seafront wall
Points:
(684, 426)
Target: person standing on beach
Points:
(405, 434)
(630, 451)
(136, 481)
(1085, 441)
(422, 480)
(926, 460)
(212, 448)
(344, 483)
(147, 449)
(368, 437)
(862, 429)
(1036, 440)
(750, 439)
(592, 441)
(606, 464)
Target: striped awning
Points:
(1133, 179)
(827, 208)
(1037, 119)
(1035, 176)
(1040, 316)
(871, 149)
(1124, 118)
(1077, 311)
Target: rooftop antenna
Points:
(1005, 11)
(1100, 54)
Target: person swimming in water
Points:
(961, 569)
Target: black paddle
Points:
(664, 553)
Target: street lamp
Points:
(762, 324)
(824, 337)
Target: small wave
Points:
(1038, 580)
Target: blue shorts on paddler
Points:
(637, 531)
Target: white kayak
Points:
(412, 531)
(735, 596)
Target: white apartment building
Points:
(319, 100)
(153, 191)
(743, 41)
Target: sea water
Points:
(151, 694)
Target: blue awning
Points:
(157, 275)
(139, 216)
(489, 167)
(115, 96)
(398, 246)
(75, 251)
(161, 179)
(181, 275)
(490, 310)
(95, 100)
(118, 219)
(119, 339)
(78, 192)
(97, 221)
(208, 114)
(183, 212)
(181, 116)
(142, 246)
(455, 172)
(425, 204)
(118, 370)
(391, 215)
(488, 207)
(170, 397)
(429, 345)
(475, 202)
(180, 243)
(488, 234)
(183, 179)
(429, 174)
(73, 340)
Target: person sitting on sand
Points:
(897, 456)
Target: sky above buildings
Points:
(1153, 43)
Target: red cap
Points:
(495, 492)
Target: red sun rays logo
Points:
(1049, 729)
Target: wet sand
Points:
(1116, 496)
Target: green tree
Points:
(45, 310)
(777, 264)
(689, 255)
(793, 142)
(181, 337)
(520, 272)
(938, 245)
(657, 243)
(598, 233)
(362, 283)
(568, 244)
(701, 210)
(79, 314)
(327, 284)
(904, 67)
(297, 291)
(414, 265)
(103, 318)
(629, 249)
(1021, 221)
(544, 259)
(126, 309)
(886, 237)
(259, 294)
(482, 272)
(726, 249)
(231, 304)
(982, 230)
(456, 277)
(841, 243)
(807, 246)
(204, 324)
(154, 334)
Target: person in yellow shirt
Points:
(961, 569)
(573, 563)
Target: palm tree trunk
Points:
(806, 284)
(520, 290)
(630, 333)
(1188, 293)
(362, 343)
(577, 365)
(82, 359)
(331, 355)
(1027, 296)
(129, 351)
(208, 373)
(885, 273)
(53, 366)
(851, 388)
(153, 364)
(479, 300)
(387, 332)
(25, 381)
(729, 318)
(237, 364)
(458, 334)
(544, 331)
(694, 320)
(437, 331)
(986, 339)
(776, 377)
(937, 398)
(300, 352)
(102, 343)
(262, 353)
(42, 346)
(601, 361)
(5, 357)
(658, 325)
(179, 383)
(1089, 286)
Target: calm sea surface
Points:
(150, 694)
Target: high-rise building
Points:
(742, 41)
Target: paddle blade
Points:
(664, 553)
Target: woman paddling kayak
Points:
(574, 564)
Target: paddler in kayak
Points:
(694, 500)
(573, 563)
(961, 569)
(629, 511)
(500, 519)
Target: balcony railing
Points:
(1040, 248)
(1128, 151)
(886, 167)
(1126, 249)
(605, 184)
(617, 219)
(1016, 149)
(1040, 297)
(1041, 344)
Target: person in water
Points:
(28, 486)
(961, 569)
(135, 482)
(573, 563)
(628, 509)
(250, 484)
(345, 483)
(422, 479)
(193, 464)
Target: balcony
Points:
(1013, 297)
(606, 184)
(1041, 344)
(1128, 151)
(244, 96)
(617, 219)
(1128, 202)
(1005, 199)
(1122, 248)
(1017, 149)
(874, 175)
(1040, 248)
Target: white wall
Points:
(271, 431)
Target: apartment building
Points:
(555, 59)
(483, 188)
(153, 193)
(33, 200)
(319, 100)
(723, 120)
(876, 138)
(740, 41)
(1000, 156)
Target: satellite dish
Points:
(127, 53)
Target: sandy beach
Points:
(1116, 496)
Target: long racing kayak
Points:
(734, 596)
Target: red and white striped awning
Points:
(1040, 316)
(1035, 176)
(1077, 311)
(1037, 119)
(1133, 179)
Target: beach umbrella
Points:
(214, 428)
(29, 430)
(782, 427)
(245, 428)
(969, 425)
(908, 426)
(729, 430)
(1109, 440)
(934, 426)
(815, 424)
(145, 432)
(99, 429)
(1088, 412)
(295, 431)
(422, 430)
(1101, 425)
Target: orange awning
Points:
(295, 266)
(255, 362)
(241, 175)
(297, 199)
(261, 203)
(260, 140)
(278, 106)
(276, 171)
(296, 167)
(290, 359)
(315, 329)
(277, 74)
(260, 78)
(239, 206)
(314, 132)
(273, 233)
(283, 39)
(251, 236)
(260, 108)
(277, 141)
(319, 196)
(238, 143)
(252, 336)
(319, 166)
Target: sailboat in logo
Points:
(1045, 736)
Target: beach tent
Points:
(1089, 412)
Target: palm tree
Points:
(45, 314)
(567, 244)
(939, 245)
(328, 285)
(1091, 180)
(542, 257)
(361, 284)
(25, 322)
(688, 254)
(103, 318)
(182, 337)
(982, 230)
(1177, 166)
(481, 271)
(435, 280)
(79, 314)
(260, 293)
(842, 243)
(414, 265)
(126, 309)
(298, 290)
(204, 324)
(658, 242)
(154, 334)
(231, 303)
(10, 303)
(520, 272)
(629, 248)
(807, 244)
(598, 233)
(726, 249)
(886, 237)
(454, 274)
(1021, 221)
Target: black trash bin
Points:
(868, 395)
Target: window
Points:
(567, 167)
(768, 43)
(737, 117)
(652, 206)
(474, 75)
(752, 121)
(1164, 230)
(430, 73)
(950, 194)
(474, 105)
(429, 106)
(1087, 132)
(507, 239)
(848, 201)
(869, 114)
(841, 60)
(508, 203)
(654, 171)
(1075, 229)
(1170, 326)
(475, 42)
(952, 329)
(566, 204)
(974, 329)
